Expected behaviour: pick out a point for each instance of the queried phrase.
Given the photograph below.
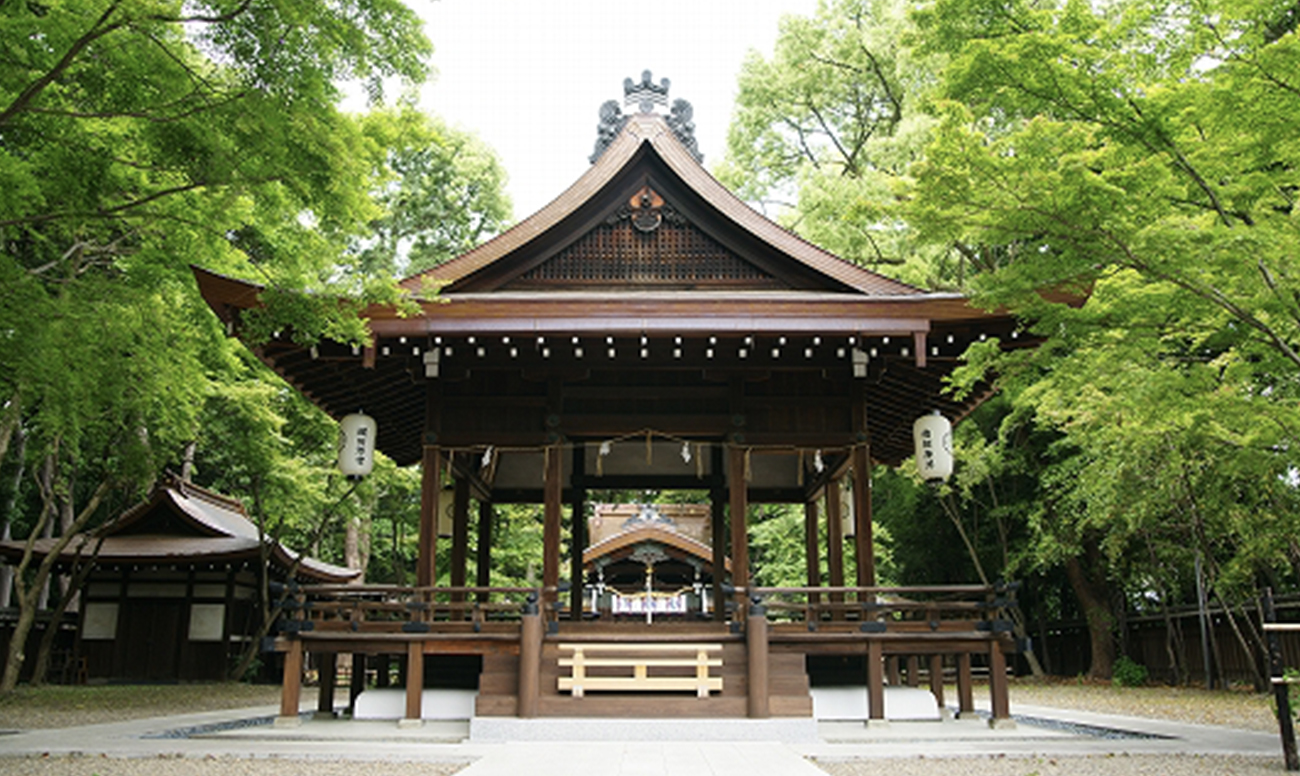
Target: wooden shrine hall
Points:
(646, 330)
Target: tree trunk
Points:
(6, 533)
(271, 611)
(11, 424)
(1260, 681)
(352, 544)
(1017, 617)
(47, 491)
(27, 595)
(187, 462)
(363, 547)
(1090, 587)
(75, 581)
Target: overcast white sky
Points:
(528, 76)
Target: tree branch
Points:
(100, 28)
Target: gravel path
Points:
(966, 766)
(1118, 765)
(62, 706)
(1241, 709)
(212, 766)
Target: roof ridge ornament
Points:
(646, 94)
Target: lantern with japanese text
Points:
(357, 445)
(932, 435)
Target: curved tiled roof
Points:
(218, 531)
(650, 533)
(649, 129)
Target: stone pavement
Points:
(211, 734)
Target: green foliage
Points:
(825, 128)
(441, 190)
(1292, 676)
(1129, 673)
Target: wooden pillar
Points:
(358, 680)
(739, 523)
(999, 698)
(965, 686)
(430, 487)
(835, 544)
(553, 489)
(913, 671)
(876, 679)
(483, 554)
(577, 536)
(291, 689)
(812, 550)
(718, 524)
(936, 682)
(414, 683)
(756, 654)
(459, 533)
(382, 665)
(891, 671)
(863, 545)
(530, 661)
(328, 672)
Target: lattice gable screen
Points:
(646, 247)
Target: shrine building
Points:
(647, 330)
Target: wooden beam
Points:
(530, 663)
(739, 522)
(460, 532)
(875, 680)
(812, 549)
(863, 540)
(430, 490)
(718, 526)
(965, 686)
(577, 535)
(357, 683)
(835, 543)
(459, 536)
(936, 681)
(291, 689)
(645, 482)
(483, 555)
(864, 545)
(999, 700)
(414, 682)
(756, 656)
(553, 489)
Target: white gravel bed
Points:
(212, 766)
(1112, 765)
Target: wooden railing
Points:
(390, 609)
(938, 607)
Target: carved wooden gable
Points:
(646, 243)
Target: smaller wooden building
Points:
(650, 560)
(174, 594)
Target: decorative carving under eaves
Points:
(649, 554)
(647, 210)
(649, 516)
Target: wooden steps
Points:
(787, 677)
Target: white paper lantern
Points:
(932, 435)
(357, 445)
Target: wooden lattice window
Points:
(672, 255)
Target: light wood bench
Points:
(640, 658)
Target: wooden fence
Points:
(1170, 647)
